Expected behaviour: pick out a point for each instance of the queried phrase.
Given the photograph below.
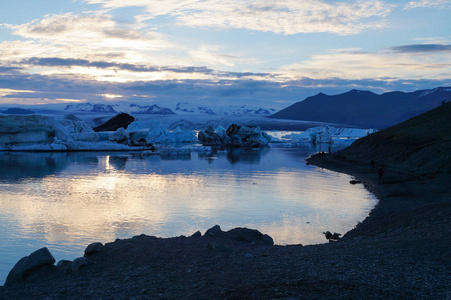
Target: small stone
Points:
(248, 256)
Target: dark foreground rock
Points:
(402, 251)
(121, 120)
(39, 259)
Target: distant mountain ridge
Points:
(365, 109)
(151, 110)
(88, 107)
(234, 110)
(180, 108)
(193, 108)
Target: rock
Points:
(213, 230)
(93, 249)
(250, 236)
(331, 236)
(65, 265)
(121, 120)
(79, 263)
(267, 239)
(197, 234)
(28, 264)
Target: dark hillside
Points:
(365, 109)
(421, 145)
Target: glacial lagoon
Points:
(65, 201)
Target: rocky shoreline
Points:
(401, 251)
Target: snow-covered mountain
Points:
(234, 110)
(88, 107)
(185, 107)
(150, 109)
(243, 110)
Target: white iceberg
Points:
(156, 132)
(234, 136)
(40, 133)
(326, 134)
(32, 129)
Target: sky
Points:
(219, 52)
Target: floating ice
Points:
(235, 136)
(326, 134)
(156, 132)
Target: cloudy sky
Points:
(257, 52)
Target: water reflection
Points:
(17, 166)
(67, 200)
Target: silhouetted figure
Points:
(380, 173)
(373, 164)
(330, 150)
(323, 154)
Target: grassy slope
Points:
(419, 146)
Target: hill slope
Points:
(420, 145)
(365, 109)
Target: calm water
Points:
(65, 201)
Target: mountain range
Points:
(182, 108)
(365, 109)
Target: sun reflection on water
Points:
(82, 198)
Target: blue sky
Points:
(262, 52)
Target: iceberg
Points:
(41, 133)
(326, 134)
(234, 136)
(32, 129)
(156, 132)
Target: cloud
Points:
(281, 17)
(208, 54)
(20, 87)
(352, 64)
(426, 3)
(82, 37)
(422, 48)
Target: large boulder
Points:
(93, 248)
(251, 236)
(121, 120)
(29, 264)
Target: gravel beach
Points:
(401, 251)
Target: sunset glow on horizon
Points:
(256, 52)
